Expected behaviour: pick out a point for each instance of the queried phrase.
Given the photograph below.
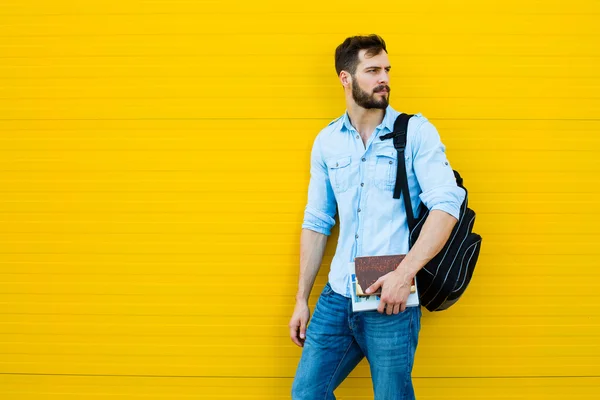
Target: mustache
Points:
(382, 88)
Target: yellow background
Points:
(153, 175)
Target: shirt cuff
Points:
(448, 198)
(449, 208)
(317, 221)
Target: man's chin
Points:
(381, 103)
(380, 106)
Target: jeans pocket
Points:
(327, 290)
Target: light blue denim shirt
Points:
(359, 180)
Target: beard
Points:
(367, 101)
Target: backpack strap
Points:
(399, 135)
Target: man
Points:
(355, 170)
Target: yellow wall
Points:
(153, 175)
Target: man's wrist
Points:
(405, 273)
(301, 299)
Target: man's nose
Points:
(384, 77)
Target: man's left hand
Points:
(395, 288)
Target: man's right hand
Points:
(299, 322)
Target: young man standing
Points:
(353, 171)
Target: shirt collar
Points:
(386, 123)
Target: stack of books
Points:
(365, 271)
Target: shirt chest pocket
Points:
(339, 173)
(386, 164)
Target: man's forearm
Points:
(312, 248)
(434, 235)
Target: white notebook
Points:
(368, 303)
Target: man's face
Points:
(370, 83)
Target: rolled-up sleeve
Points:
(321, 206)
(434, 173)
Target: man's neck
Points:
(365, 120)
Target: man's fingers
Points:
(389, 309)
(396, 308)
(294, 335)
(374, 286)
(303, 330)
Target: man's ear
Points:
(345, 78)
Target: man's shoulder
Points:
(335, 120)
(416, 123)
(331, 128)
(418, 119)
(334, 125)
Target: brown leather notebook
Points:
(369, 269)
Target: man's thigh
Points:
(389, 343)
(330, 351)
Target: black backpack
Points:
(444, 278)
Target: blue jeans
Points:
(337, 339)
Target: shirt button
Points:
(359, 210)
(357, 136)
(337, 164)
(362, 184)
(356, 236)
(364, 159)
(391, 162)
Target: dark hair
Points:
(346, 54)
